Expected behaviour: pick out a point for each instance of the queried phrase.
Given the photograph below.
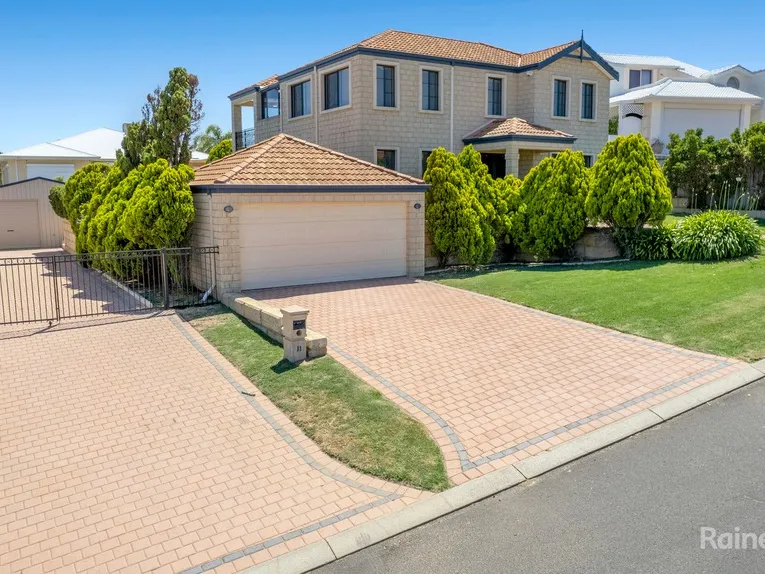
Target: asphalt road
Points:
(637, 506)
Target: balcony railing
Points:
(244, 138)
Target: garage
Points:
(27, 220)
(19, 225)
(287, 212)
(303, 243)
(715, 121)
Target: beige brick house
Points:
(394, 97)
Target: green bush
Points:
(161, 209)
(551, 214)
(220, 150)
(79, 188)
(455, 218)
(628, 187)
(56, 199)
(646, 244)
(714, 235)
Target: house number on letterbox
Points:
(298, 325)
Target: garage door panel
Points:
(274, 233)
(306, 243)
(719, 123)
(19, 225)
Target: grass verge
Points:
(710, 307)
(347, 418)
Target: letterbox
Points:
(294, 320)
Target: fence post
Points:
(56, 288)
(165, 290)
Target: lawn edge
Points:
(370, 533)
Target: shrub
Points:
(79, 188)
(646, 244)
(56, 199)
(551, 214)
(455, 218)
(161, 208)
(220, 150)
(714, 235)
(628, 187)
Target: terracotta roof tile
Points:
(514, 126)
(287, 160)
(435, 46)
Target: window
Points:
(733, 83)
(640, 78)
(588, 161)
(269, 103)
(386, 86)
(300, 99)
(336, 90)
(425, 156)
(386, 158)
(560, 98)
(588, 101)
(494, 97)
(430, 88)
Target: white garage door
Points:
(715, 122)
(19, 225)
(50, 170)
(301, 243)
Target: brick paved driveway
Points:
(130, 447)
(494, 382)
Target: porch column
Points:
(236, 121)
(512, 161)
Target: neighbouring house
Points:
(288, 212)
(27, 220)
(394, 97)
(61, 158)
(657, 96)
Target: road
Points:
(635, 507)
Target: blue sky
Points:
(72, 66)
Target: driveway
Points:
(493, 381)
(133, 446)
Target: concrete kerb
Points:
(354, 539)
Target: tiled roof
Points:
(287, 160)
(437, 47)
(688, 89)
(515, 127)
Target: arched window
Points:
(733, 82)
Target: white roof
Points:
(654, 62)
(101, 143)
(684, 89)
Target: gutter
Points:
(270, 188)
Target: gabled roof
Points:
(396, 42)
(669, 88)
(654, 62)
(515, 128)
(100, 143)
(287, 160)
(718, 71)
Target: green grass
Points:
(712, 307)
(673, 218)
(347, 418)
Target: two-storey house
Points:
(396, 96)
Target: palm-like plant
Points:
(213, 135)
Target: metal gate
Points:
(51, 287)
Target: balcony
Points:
(244, 138)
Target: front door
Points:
(495, 162)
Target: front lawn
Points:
(346, 417)
(711, 307)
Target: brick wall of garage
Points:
(213, 226)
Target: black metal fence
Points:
(51, 287)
